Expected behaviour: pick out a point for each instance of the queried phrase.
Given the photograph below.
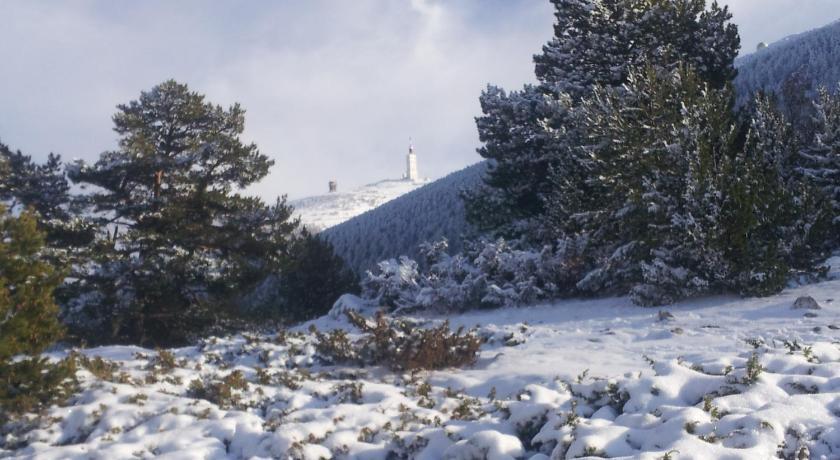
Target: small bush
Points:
(220, 392)
(399, 345)
(33, 384)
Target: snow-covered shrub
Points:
(394, 285)
(489, 274)
(399, 344)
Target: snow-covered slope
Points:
(325, 211)
(711, 378)
(396, 228)
(813, 54)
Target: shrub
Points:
(490, 274)
(400, 345)
(33, 384)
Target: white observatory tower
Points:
(411, 164)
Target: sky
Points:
(333, 89)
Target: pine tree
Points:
(774, 223)
(29, 314)
(28, 318)
(654, 155)
(42, 187)
(178, 245)
(45, 189)
(515, 132)
(314, 279)
(596, 42)
(819, 161)
(533, 137)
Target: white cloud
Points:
(332, 89)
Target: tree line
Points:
(628, 169)
(156, 242)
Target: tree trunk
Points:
(158, 181)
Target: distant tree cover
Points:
(432, 212)
(628, 169)
(159, 245)
(793, 68)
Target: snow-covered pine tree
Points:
(819, 160)
(655, 147)
(515, 141)
(42, 187)
(595, 42)
(177, 244)
(774, 223)
(688, 258)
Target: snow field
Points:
(713, 378)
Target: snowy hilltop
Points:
(324, 211)
(426, 214)
(707, 378)
(801, 61)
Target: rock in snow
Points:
(807, 303)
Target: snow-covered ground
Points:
(713, 378)
(325, 211)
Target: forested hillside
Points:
(810, 56)
(396, 228)
(808, 59)
(321, 212)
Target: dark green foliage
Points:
(28, 314)
(647, 153)
(28, 320)
(818, 160)
(630, 146)
(33, 384)
(775, 222)
(399, 344)
(314, 279)
(178, 245)
(530, 133)
(517, 139)
(598, 42)
(685, 204)
(44, 189)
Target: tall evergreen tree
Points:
(519, 135)
(28, 318)
(819, 161)
(177, 243)
(28, 313)
(774, 222)
(656, 149)
(596, 42)
(40, 186)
